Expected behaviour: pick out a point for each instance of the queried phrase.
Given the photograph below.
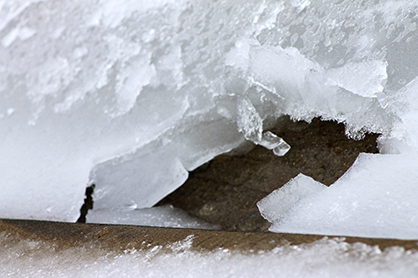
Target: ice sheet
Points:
(165, 216)
(375, 198)
(122, 91)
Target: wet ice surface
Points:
(131, 95)
(323, 258)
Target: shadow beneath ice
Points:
(225, 190)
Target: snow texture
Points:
(132, 95)
(323, 258)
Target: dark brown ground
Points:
(225, 190)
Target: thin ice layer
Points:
(375, 198)
(165, 216)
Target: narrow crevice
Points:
(88, 204)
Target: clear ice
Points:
(132, 95)
(251, 125)
(161, 216)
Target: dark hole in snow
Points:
(225, 190)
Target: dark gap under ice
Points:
(225, 190)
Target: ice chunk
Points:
(21, 33)
(352, 77)
(238, 56)
(405, 131)
(286, 70)
(271, 141)
(250, 123)
(274, 206)
(136, 172)
(375, 198)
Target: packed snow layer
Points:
(132, 95)
(323, 258)
(375, 198)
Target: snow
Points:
(131, 95)
(322, 258)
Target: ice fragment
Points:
(375, 198)
(250, 123)
(275, 205)
(271, 141)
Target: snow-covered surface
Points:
(323, 258)
(133, 94)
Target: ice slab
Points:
(165, 216)
(350, 77)
(271, 141)
(281, 201)
(137, 174)
(85, 86)
(375, 198)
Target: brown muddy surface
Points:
(225, 190)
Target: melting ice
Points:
(132, 95)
